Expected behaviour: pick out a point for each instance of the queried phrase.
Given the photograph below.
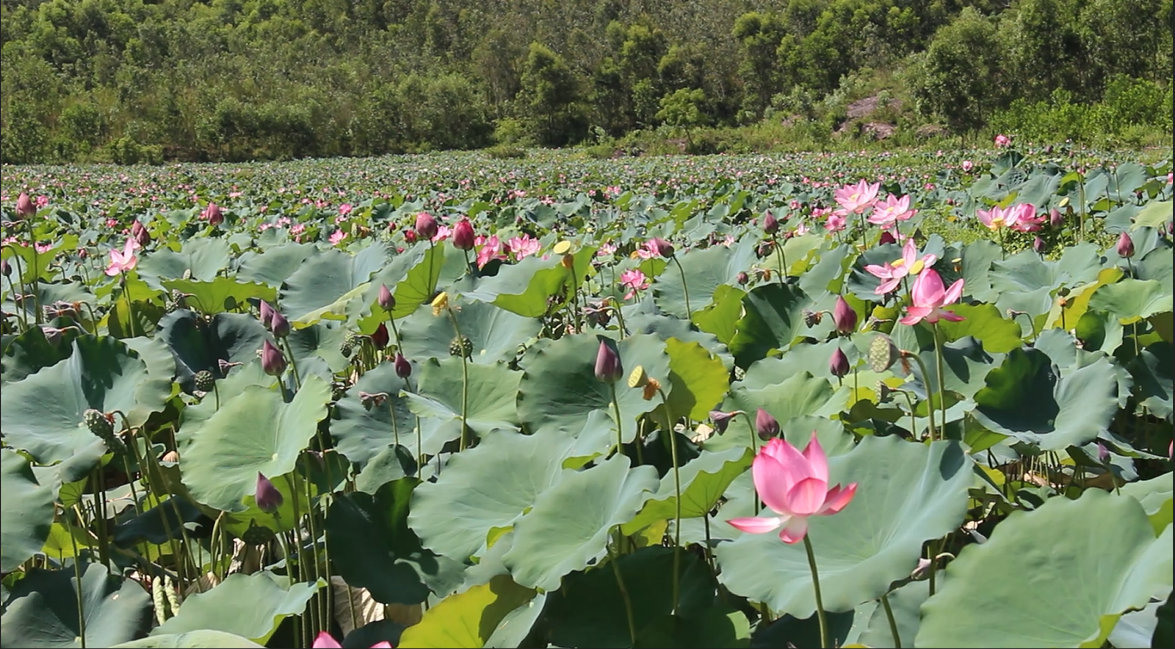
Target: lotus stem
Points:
(619, 317)
(677, 499)
(893, 625)
(684, 289)
(17, 297)
(130, 309)
(612, 559)
(755, 448)
(36, 277)
(464, 377)
(285, 343)
(619, 420)
(77, 571)
(926, 378)
(820, 616)
(942, 389)
(303, 572)
(780, 257)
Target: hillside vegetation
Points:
(149, 80)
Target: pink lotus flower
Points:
(835, 222)
(794, 485)
(442, 233)
(1018, 217)
(968, 166)
(655, 247)
(345, 209)
(892, 273)
(928, 297)
(337, 236)
(894, 209)
(855, 199)
(491, 249)
(606, 249)
(634, 280)
(121, 262)
(1002, 140)
(325, 641)
(524, 246)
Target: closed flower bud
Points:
(1125, 246)
(770, 224)
(743, 278)
(272, 360)
(1038, 246)
(5, 268)
(24, 206)
(279, 325)
(463, 235)
(1056, 218)
(403, 367)
(844, 316)
(426, 226)
(838, 364)
(213, 214)
(608, 367)
(268, 498)
(140, 234)
(387, 301)
(766, 425)
(266, 314)
(380, 336)
(661, 247)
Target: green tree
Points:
(550, 91)
(959, 77)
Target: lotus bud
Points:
(1103, 453)
(213, 214)
(5, 268)
(887, 237)
(426, 226)
(608, 366)
(380, 337)
(1056, 218)
(661, 247)
(140, 234)
(743, 278)
(266, 314)
(844, 316)
(1038, 246)
(722, 419)
(268, 498)
(770, 224)
(272, 360)
(279, 325)
(387, 301)
(403, 367)
(410, 236)
(766, 425)
(1125, 246)
(463, 237)
(24, 206)
(838, 364)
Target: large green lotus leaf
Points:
(906, 495)
(589, 610)
(772, 318)
(965, 364)
(559, 389)
(796, 397)
(490, 406)
(199, 344)
(42, 414)
(200, 639)
(984, 323)
(1153, 215)
(721, 317)
(372, 547)
(250, 606)
(977, 258)
(496, 334)
(1132, 299)
(485, 490)
(700, 380)
(1026, 399)
(517, 625)
(205, 257)
(667, 327)
(275, 265)
(1155, 497)
(1102, 541)
(703, 482)
(411, 277)
(26, 511)
(253, 432)
(41, 610)
(1164, 633)
(705, 270)
(361, 433)
(221, 293)
(35, 263)
(905, 602)
(569, 525)
(325, 282)
(1153, 370)
(29, 352)
(1026, 272)
(525, 288)
(1062, 348)
(467, 620)
(719, 627)
(322, 341)
(825, 277)
(194, 416)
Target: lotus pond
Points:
(879, 400)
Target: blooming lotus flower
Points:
(928, 297)
(655, 247)
(634, 280)
(325, 641)
(337, 236)
(121, 262)
(491, 249)
(794, 485)
(1018, 217)
(891, 211)
(463, 238)
(855, 199)
(1002, 140)
(892, 273)
(443, 232)
(426, 225)
(526, 246)
(968, 166)
(836, 221)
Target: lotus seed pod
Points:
(205, 382)
(882, 353)
(257, 535)
(98, 423)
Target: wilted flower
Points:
(766, 425)
(839, 363)
(608, 366)
(844, 316)
(722, 419)
(272, 360)
(463, 235)
(440, 303)
(928, 297)
(1125, 246)
(268, 498)
(794, 485)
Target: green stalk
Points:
(16, 298)
(293, 363)
(303, 571)
(893, 625)
(130, 312)
(684, 289)
(464, 377)
(77, 571)
(930, 406)
(780, 258)
(816, 588)
(612, 559)
(619, 426)
(755, 448)
(942, 389)
(677, 501)
(36, 277)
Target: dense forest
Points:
(152, 80)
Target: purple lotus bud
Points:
(140, 234)
(380, 337)
(266, 314)
(463, 237)
(838, 364)
(1056, 218)
(721, 419)
(24, 206)
(1125, 246)
(213, 214)
(661, 247)
(279, 325)
(1103, 453)
(426, 226)
(5, 268)
(843, 316)
(272, 360)
(766, 425)
(1038, 246)
(608, 367)
(403, 367)
(743, 278)
(387, 301)
(886, 237)
(770, 224)
(268, 498)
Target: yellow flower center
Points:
(899, 263)
(916, 267)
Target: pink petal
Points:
(887, 286)
(325, 641)
(928, 260)
(791, 459)
(927, 291)
(112, 270)
(756, 524)
(806, 497)
(383, 644)
(915, 314)
(838, 498)
(884, 272)
(953, 293)
(817, 460)
(795, 530)
(771, 482)
(909, 252)
(947, 315)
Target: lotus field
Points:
(879, 400)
